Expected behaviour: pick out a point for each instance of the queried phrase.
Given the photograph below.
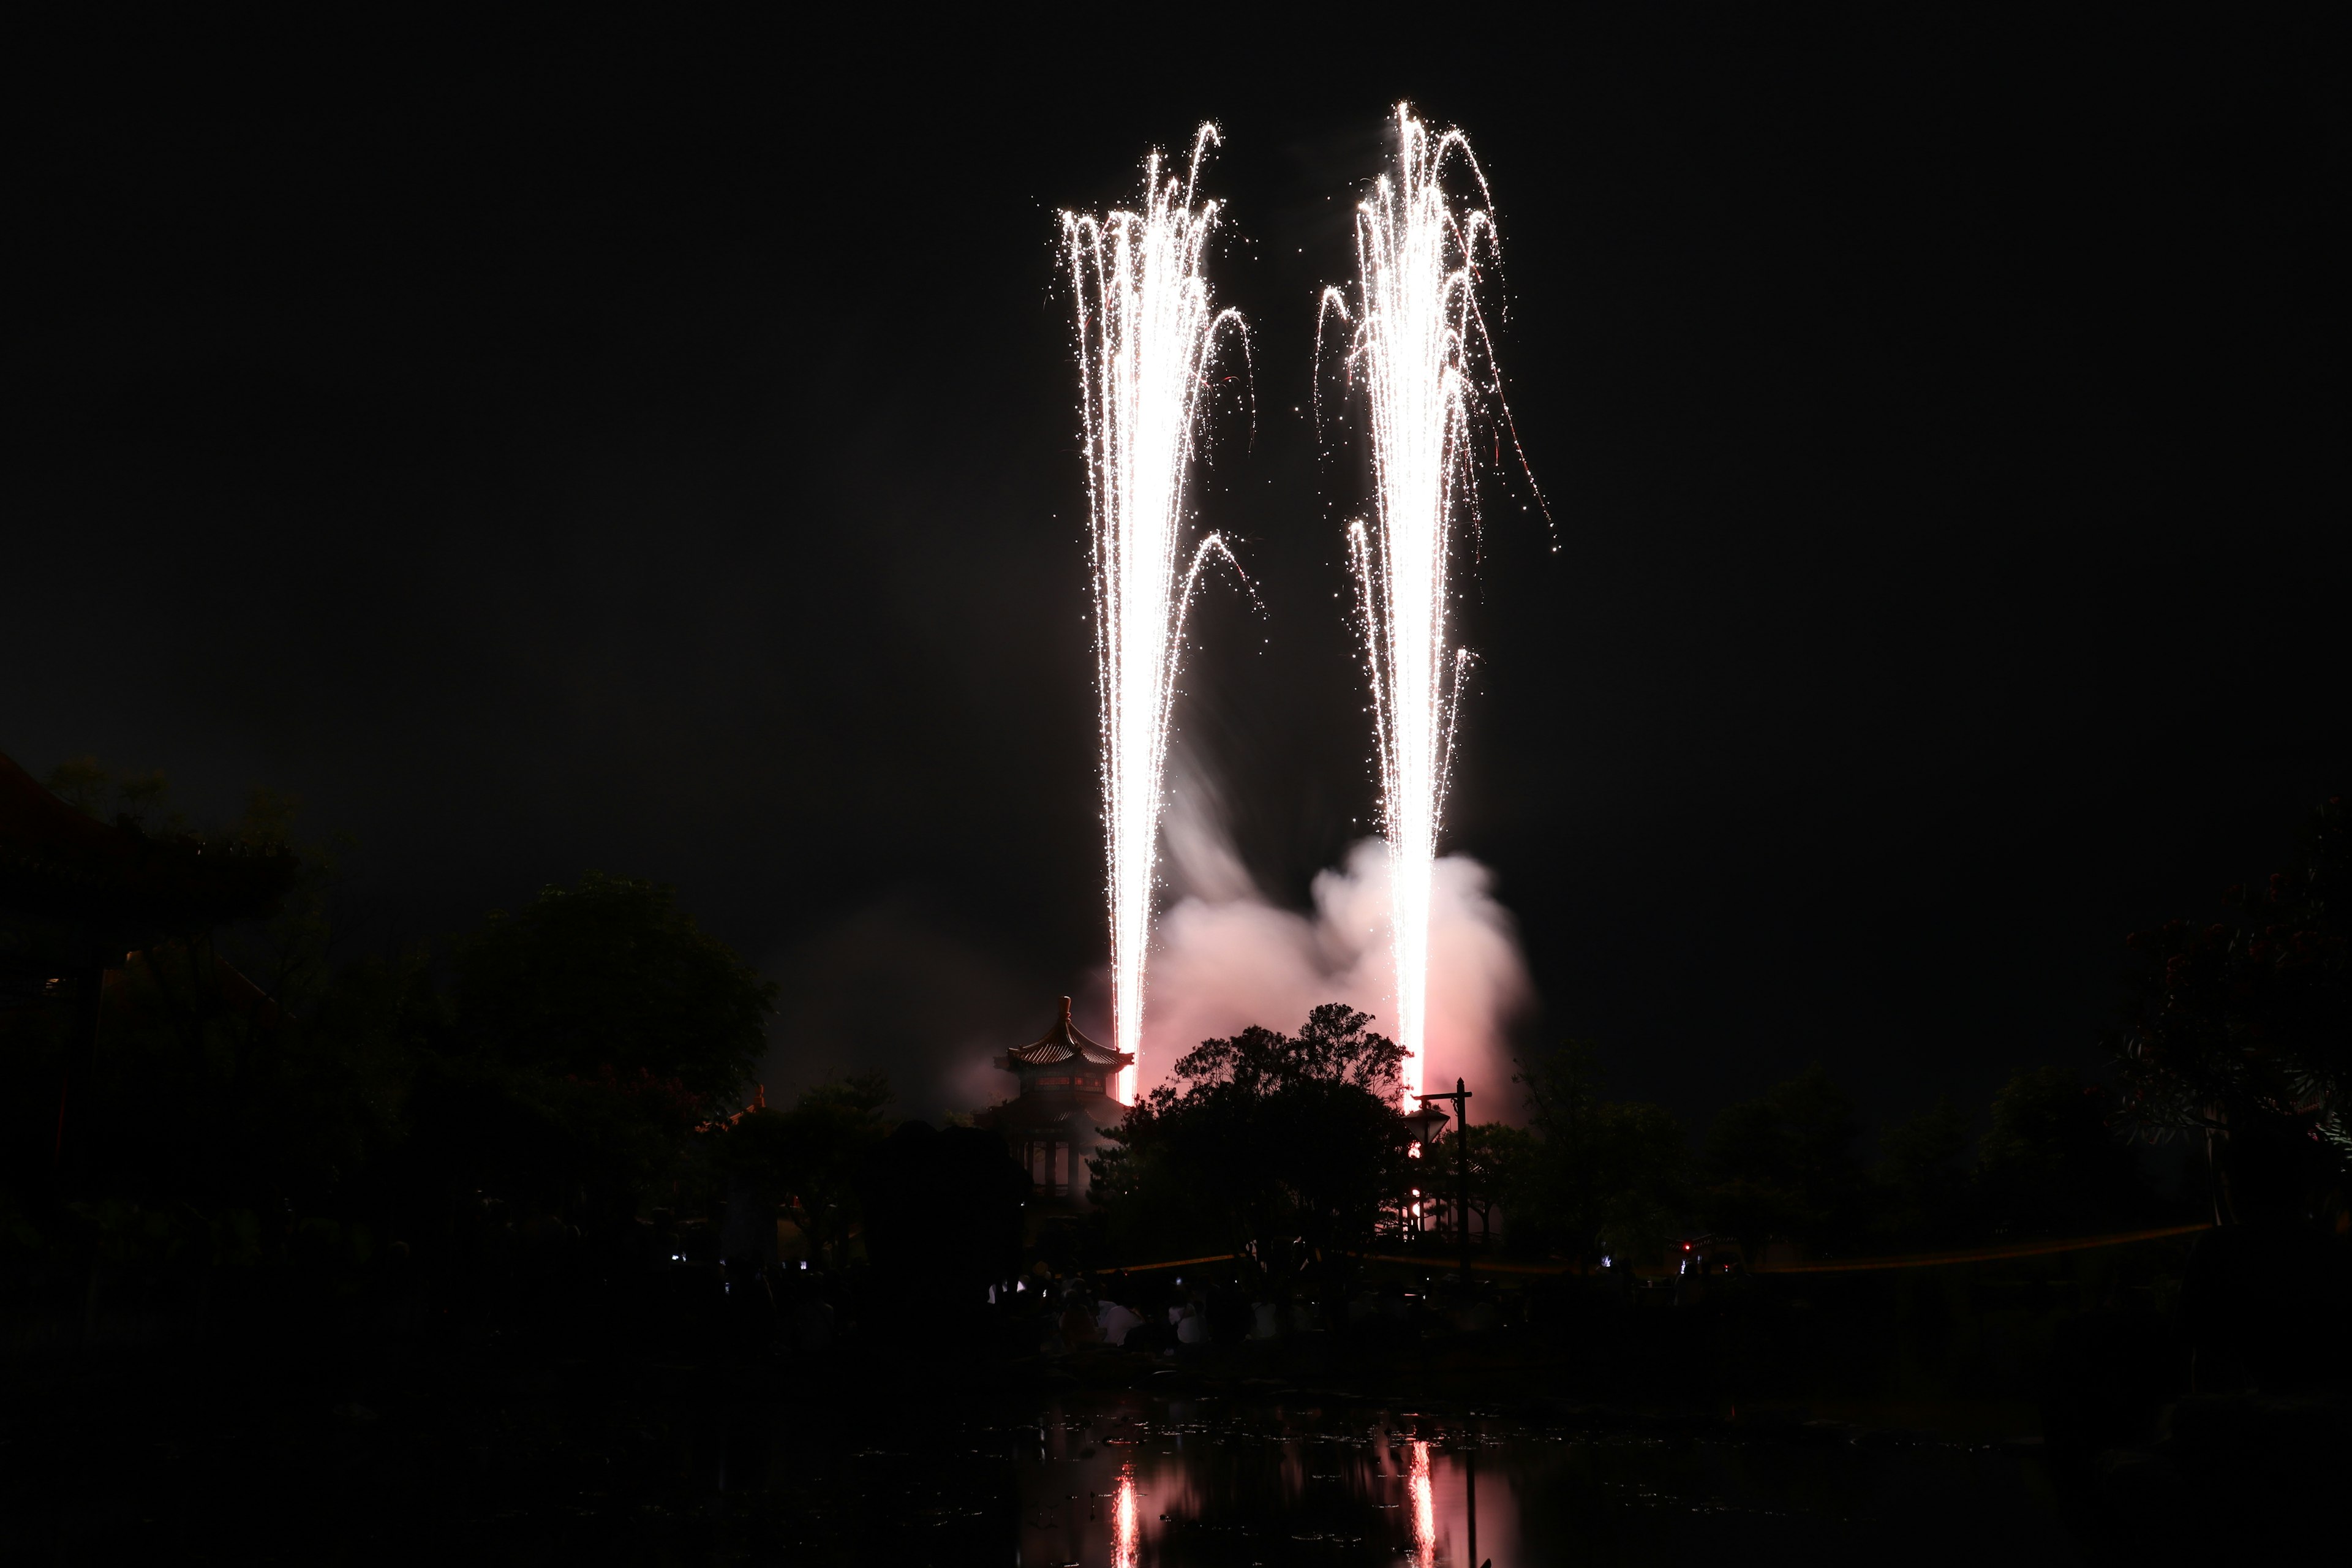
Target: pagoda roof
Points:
(55, 861)
(1063, 1043)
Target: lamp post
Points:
(1460, 1096)
(1424, 1124)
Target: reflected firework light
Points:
(1417, 337)
(1126, 1534)
(1423, 1495)
(1147, 337)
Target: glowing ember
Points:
(1147, 339)
(1416, 333)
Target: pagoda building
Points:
(79, 898)
(1064, 1101)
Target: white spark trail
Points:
(1146, 340)
(1417, 331)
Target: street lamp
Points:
(1425, 1123)
(1460, 1096)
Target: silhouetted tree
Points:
(1500, 1158)
(1280, 1146)
(2051, 1165)
(232, 1079)
(612, 975)
(143, 799)
(2240, 1033)
(816, 1152)
(592, 1031)
(1785, 1166)
(1600, 1176)
(1923, 1183)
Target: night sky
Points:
(657, 454)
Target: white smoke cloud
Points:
(1226, 957)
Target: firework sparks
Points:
(1147, 341)
(1417, 335)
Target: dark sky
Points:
(656, 453)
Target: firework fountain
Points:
(1417, 342)
(1147, 334)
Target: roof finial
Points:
(1066, 1012)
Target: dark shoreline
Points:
(369, 1450)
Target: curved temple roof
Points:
(56, 862)
(1063, 1043)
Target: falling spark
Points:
(1147, 341)
(1417, 330)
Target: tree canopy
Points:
(1597, 1175)
(1278, 1146)
(2239, 1031)
(2050, 1163)
(1786, 1164)
(811, 1155)
(611, 979)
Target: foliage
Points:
(1498, 1156)
(217, 1089)
(1923, 1180)
(1331, 1048)
(612, 974)
(252, 1080)
(2239, 1031)
(1786, 1165)
(1599, 1176)
(206, 1096)
(586, 1037)
(2051, 1164)
(141, 799)
(579, 1057)
(813, 1156)
(1282, 1147)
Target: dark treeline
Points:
(1590, 1177)
(560, 1094)
(248, 1123)
(2233, 1055)
(532, 1150)
(1260, 1139)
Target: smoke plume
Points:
(1226, 957)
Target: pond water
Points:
(1142, 1483)
(578, 1462)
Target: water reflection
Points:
(1147, 1483)
(1424, 1509)
(1124, 1534)
(1166, 1483)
